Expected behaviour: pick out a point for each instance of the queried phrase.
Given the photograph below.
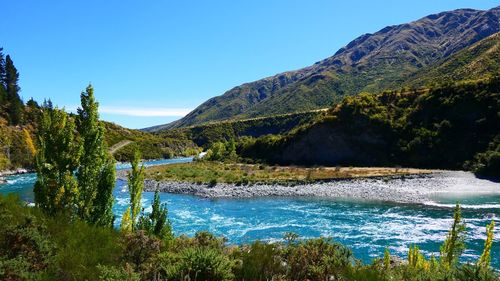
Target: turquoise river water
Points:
(366, 227)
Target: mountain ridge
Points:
(371, 62)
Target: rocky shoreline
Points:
(5, 173)
(395, 189)
(414, 189)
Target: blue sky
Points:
(152, 61)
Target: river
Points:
(366, 227)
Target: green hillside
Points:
(481, 60)
(448, 127)
(207, 134)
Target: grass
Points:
(216, 172)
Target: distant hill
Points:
(371, 62)
(221, 131)
(151, 146)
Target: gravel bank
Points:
(369, 189)
(402, 189)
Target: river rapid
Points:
(366, 226)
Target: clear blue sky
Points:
(149, 60)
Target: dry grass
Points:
(207, 172)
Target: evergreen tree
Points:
(3, 92)
(56, 161)
(454, 245)
(14, 102)
(96, 173)
(135, 187)
(32, 112)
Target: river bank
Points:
(416, 188)
(18, 171)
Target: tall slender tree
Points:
(135, 187)
(96, 173)
(56, 161)
(14, 102)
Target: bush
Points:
(203, 264)
(140, 249)
(113, 273)
(317, 259)
(260, 261)
(26, 249)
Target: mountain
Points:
(479, 61)
(371, 62)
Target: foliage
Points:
(222, 151)
(454, 244)
(62, 153)
(387, 259)
(135, 188)
(203, 264)
(96, 172)
(317, 259)
(26, 251)
(417, 259)
(140, 249)
(487, 163)
(126, 223)
(16, 146)
(113, 273)
(156, 223)
(485, 259)
(57, 158)
(259, 261)
(9, 91)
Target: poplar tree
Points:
(96, 173)
(14, 102)
(135, 188)
(56, 161)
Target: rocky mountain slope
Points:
(371, 62)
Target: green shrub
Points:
(26, 249)
(317, 259)
(113, 273)
(203, 264)
(260, 261)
